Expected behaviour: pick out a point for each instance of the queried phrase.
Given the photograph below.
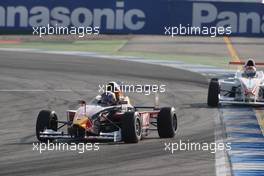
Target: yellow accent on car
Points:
(80, 121)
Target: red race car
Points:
(120, 122)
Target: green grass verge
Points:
(112, 47)
(202, 60)
(108, 46)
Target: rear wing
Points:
(243, 63)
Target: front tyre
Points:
(131, 128)
(167, 122)
(213, 92)
(46, 120)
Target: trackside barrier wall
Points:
(131, 16)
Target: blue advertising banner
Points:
(137, 16)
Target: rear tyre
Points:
(213, 91)
(131, 128)
(167, 122)
(46, 120)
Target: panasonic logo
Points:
(242, 22)
(118, 18)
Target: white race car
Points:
(246, 87)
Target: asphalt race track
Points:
(31, 82)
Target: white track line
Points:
(222, 164)
(44, 90)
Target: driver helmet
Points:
(114, 88)
(108, 98)
(250, 68)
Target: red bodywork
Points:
(145, 117)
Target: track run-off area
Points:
(31, 81)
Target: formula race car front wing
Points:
(51, 134)
(228, 100)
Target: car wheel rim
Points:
(174, 123)
(138, 129)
